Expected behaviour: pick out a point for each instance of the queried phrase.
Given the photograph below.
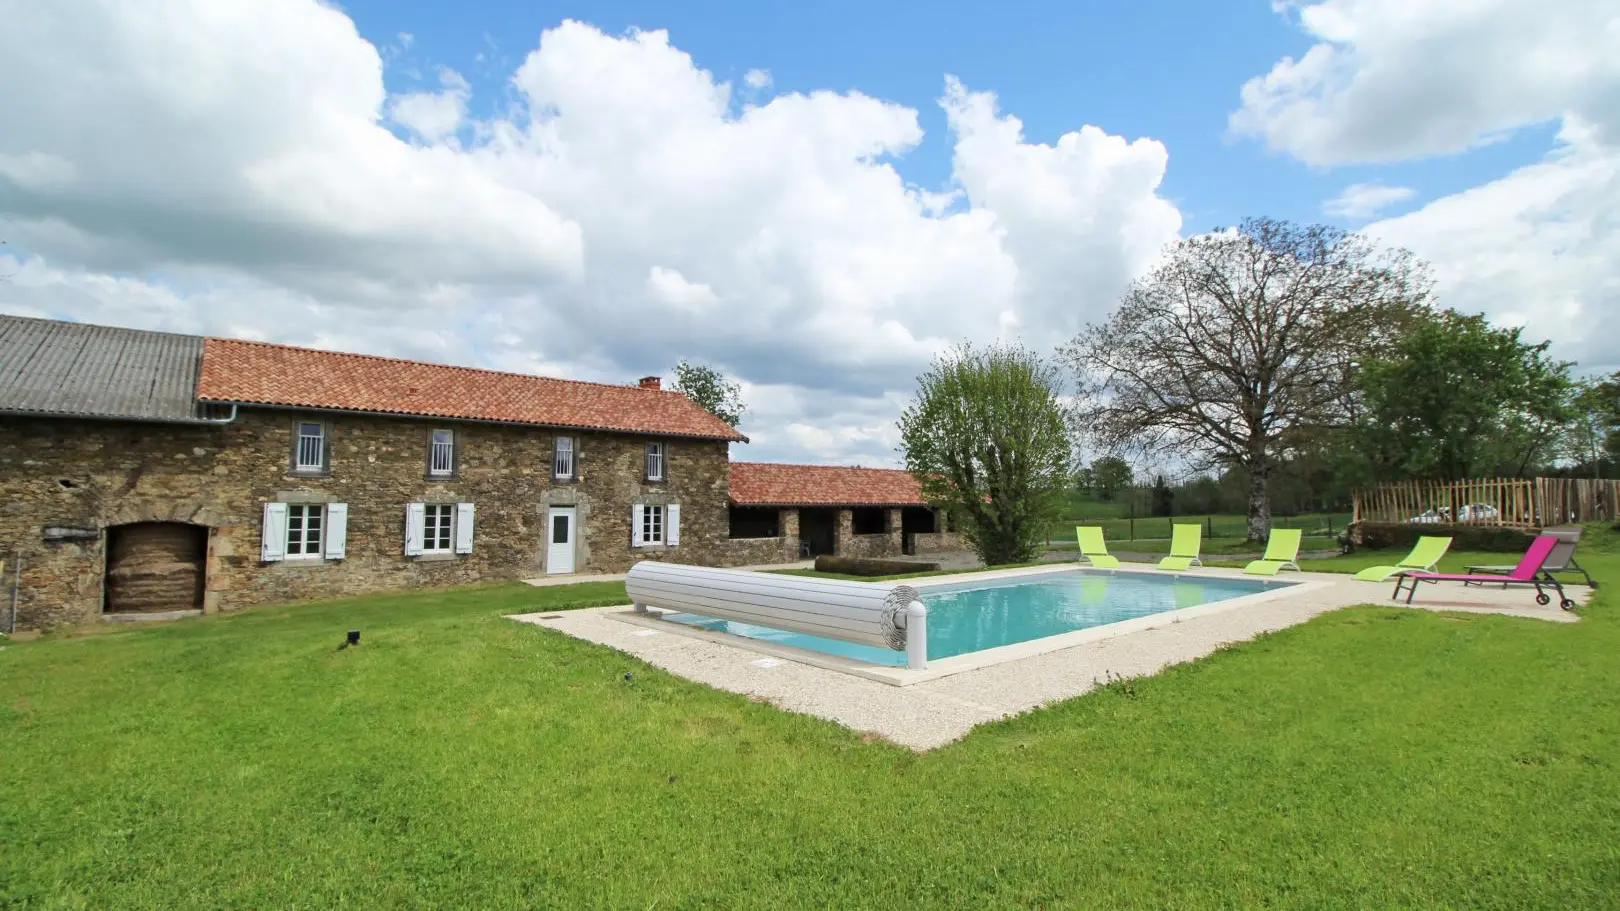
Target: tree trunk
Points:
(1259, 504)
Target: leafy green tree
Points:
(986, 437)
(710, 388)
(1241, 347)
(1593, 435)
(1109, 476)
(1459, 398)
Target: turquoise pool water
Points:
(973, 616)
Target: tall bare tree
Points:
(1241, 345)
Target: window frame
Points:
(433, 473)
(659, 452)
(651, 521)
(304, 511)
(295, 464)
(573, 458)
(429, 529)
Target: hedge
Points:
(1399, 535)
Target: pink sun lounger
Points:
(1528, 572)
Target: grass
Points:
(1118, 528)
(1374, 757)
(1233, 545)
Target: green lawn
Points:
(1119, 528)
(1232, 545)
(1374, 757)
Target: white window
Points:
(309, 452)
(655, 461)
(563, 466)
(438, 528)
(653, 525)
(442, 453)
(305, 522)
(437, 521)
(297, 531)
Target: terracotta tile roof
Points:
(256, 373)
(771, 484)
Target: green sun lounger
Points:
(1423, 558)
(1282, 549)
(1185, 540)
(1092, 548)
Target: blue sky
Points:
(509, 190)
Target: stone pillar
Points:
(845, 532)
(897, 539)
(788, 527)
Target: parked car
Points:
(1441, 516)
(1473, 512)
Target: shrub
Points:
(1400, 535)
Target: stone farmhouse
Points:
(152, 474)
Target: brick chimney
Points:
(652, 382)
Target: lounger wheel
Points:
(1567, 604)
(1543, 598)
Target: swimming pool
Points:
(973, 616)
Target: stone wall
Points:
(886, 544)
(91, 475)
(759, 551)
(938, 543)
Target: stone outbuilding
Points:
(152, 474)
(802, 511)
(149, 473)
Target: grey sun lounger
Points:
(1562, 559)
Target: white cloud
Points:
(1363, 200)
(433, 115)
(622, 215)
(672, 288)
(246, 135)
(1393, 79)
(406, 39)
(1390, 80)
(757, 79)
(1536, 248)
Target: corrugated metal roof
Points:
(52, 367)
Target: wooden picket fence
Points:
(1510, 502)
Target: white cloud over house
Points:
(229, 168)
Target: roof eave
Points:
(736, 437)
(124, 418)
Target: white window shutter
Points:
(464, 528)
(637, 515)
(414, 514)
(672, 524)
(273, 543)
(337, 530)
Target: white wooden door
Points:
(560, 537)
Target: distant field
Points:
(1227, 545)
(1219, 526)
